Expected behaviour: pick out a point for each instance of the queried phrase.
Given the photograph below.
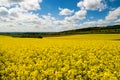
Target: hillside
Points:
(95, 30)
(91, 30)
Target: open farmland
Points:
(77, 57)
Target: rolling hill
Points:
(115, 29)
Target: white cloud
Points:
(14, 12)
(99, 22)
(70, 22)
(10, 14)
(25, 4)
(113, 15)
(4, 3)
(15, 1)
(30, 4)
(113, 18)
(3, 12)
(10, 2)
(15, 16)
(61, 25)
(92, 5)
(118, 21)
(79, 15)
(19, 19)
(65, 11)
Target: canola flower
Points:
(78, 57)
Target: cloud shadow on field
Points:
(116, 39)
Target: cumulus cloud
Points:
(15, 15)
(92, 5)
(4, 3)
(18, 18)
(111, 18)
(10, 14)
(25, 4)
(70, 22)
(27, 22)
(14, 1)
(79, 15)
(118, 21)
(10, 2)
(65, 11)
(30, 4)
(113, 15)
(3, 12)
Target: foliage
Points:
(95, 30)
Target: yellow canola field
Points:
(77, 57)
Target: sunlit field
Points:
(75, 57)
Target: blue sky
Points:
(57, 15)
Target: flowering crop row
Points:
(65, 58)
